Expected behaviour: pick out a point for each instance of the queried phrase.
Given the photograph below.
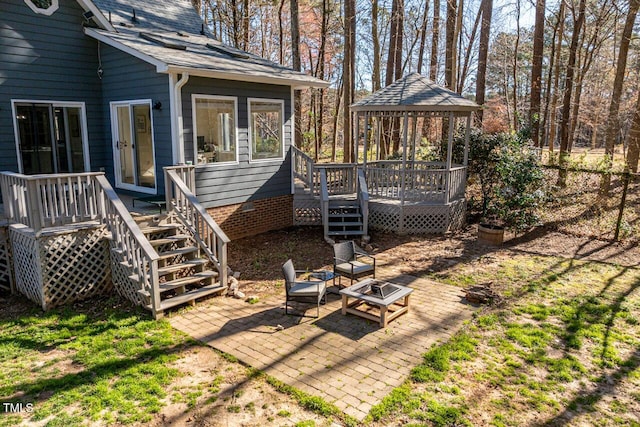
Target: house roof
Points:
(415, 93)
(167, 35)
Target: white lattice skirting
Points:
(416, 218)
(6, 269)
(306, 211)
(60, 266)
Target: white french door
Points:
(133, 147)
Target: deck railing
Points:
(341, 178)
(41, 201)
(182, 202)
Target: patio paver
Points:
(346, 360)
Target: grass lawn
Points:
(561, 347)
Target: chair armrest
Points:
(339, 259)
(365, 255)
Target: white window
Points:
(266, 128)
(43, 7)
(214, 122)
(51, 137)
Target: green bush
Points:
(510, 178)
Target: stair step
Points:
(181, 266)
(345, 233)
(172, 268)
(196, 278)
(345, 215)
(190, 296)
(345, 224)
(159, 228)
(344, 205)
(173, 239)
(180, 251)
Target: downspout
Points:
(177, 134)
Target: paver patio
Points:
(346, 360)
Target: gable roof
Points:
(415, 92)
(167, 35)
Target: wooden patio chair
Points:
(348, 262)
(302, 290)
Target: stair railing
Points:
(303, 168)
(182, 203)
(324, 202)
(127, 237)
(363, 200)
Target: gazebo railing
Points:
(417, 182)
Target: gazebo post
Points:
(405, 136)
(467, 135)
(356, 136)
(449, 155)
(366, 140)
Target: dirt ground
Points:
(259, 258)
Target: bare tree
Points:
(536, 72)
(485, 31)
(633, 152)
(423, 36)
(556, 77)
(348, 73)
(568, 89)
(614, 106)
(435, 39)
(376, 46)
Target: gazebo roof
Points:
(415, 93)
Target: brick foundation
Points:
(255, 217)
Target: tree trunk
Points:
(536, 73)
(296, 62)
(423, 36)
(612, 119)
(336, 114)
(516, 115)
(556, 79)
(245, 24)
(348, 72)
(481, 76)
(435, 40)
(376, 46)
(633, 152)
(433, 60)
(281, 32)
(467, 55)
(568, 90)
(450, 46)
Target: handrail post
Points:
(324, 201)
(156, 303)
(34, 219)
(221, 249)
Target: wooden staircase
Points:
(184, 273)
(345, 217)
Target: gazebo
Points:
(408, 195)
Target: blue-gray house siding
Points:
(226, 184)
(126, 78)
(48, 58)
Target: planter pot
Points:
(490, 234)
